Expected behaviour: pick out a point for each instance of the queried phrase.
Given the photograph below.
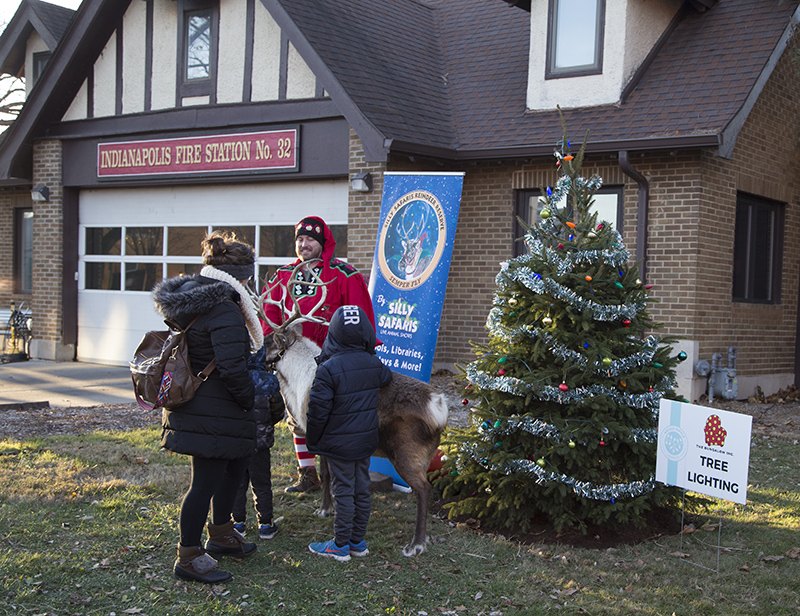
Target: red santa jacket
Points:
(347, 288)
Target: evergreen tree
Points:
(566, 393)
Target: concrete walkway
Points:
(63, 384)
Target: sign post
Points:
(704, 450)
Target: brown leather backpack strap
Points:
(208, 369)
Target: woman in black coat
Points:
(216, 427)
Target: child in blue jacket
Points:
(343, 425)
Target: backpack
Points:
(160, 369)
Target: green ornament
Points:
(540, 461)
(498, 444)
(618, 285)
(572, 444)
(545, 214)
(502, 360)
(498, 423)
(682, 356)
(606, 361)
(657, 365)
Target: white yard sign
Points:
(704, 450)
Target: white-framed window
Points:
(575, 38)
(607, 203)
(133, 259)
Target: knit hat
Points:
(311, 227)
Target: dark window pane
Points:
(144, 241)
(757, 250)
(183, 269)
(277, 242)
(104, 241)
(246, 234)
(185, 241)
(340, 235)
(104, 276)
(142, 276)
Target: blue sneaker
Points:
(267, 531)
(240, 526)
(329, 548)
(359, 549)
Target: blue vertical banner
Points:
(417, 228)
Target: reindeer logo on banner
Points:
(412, 239)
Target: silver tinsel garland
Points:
(584, 489)
(549, 393)
(615, 368)
(539, 427)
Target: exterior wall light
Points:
(361, 182)
(40, 194)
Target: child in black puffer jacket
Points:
(268, 411)
(343, 424)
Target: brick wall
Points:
(47, 254)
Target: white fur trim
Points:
(245, 305)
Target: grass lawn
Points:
(88, 526)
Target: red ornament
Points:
(561, 246)
(501, 372)
(626, 323)
(602, 443)
(465, 402)
(563, 387)
(600, 226)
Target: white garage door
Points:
(131, 239)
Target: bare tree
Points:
(12, 97)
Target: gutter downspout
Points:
(643, 201)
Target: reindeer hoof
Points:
(323, 513)
(413, 549)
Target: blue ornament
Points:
(549, 192)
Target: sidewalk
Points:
(64, 384)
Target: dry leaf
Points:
(709, 526)
(744, 568)
(772, 559)
(793, 553)
(689, 528)
(570, 592)
(133, 610)
(680, 554)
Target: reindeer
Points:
(412, 415)
(412, 264)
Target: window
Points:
(137, 258)
(198, 49)
(23, 250)
(757, 250)
(40, 60)
(575, 38)
(607, 204)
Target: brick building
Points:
(692, 111)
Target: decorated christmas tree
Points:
(565, 395)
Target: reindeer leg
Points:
(326, 509)
(412, 466)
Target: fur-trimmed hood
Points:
(183, 297)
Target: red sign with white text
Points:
(274, 150)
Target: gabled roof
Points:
(48, 20)
(448, 78)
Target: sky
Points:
(9, 7)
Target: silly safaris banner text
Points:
(417, 227)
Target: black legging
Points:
(213, 484)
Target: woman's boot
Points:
(195, 565)
(225, 540)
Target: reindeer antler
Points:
(294, 315)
